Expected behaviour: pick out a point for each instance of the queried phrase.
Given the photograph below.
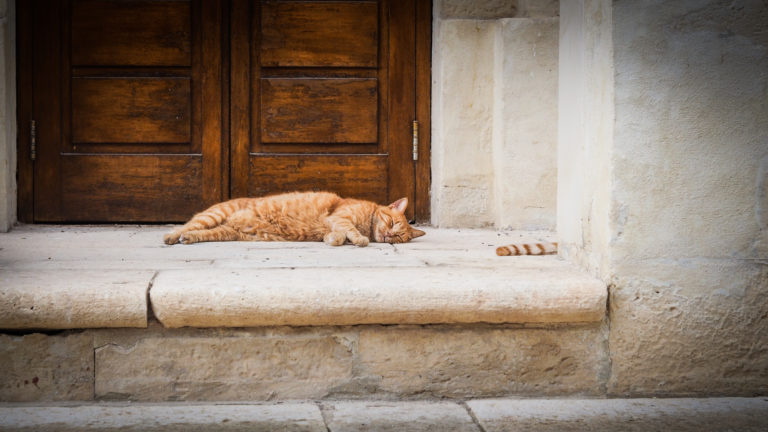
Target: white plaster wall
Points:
(662, 186)
(494, 110)
(585, 133)
(689, 306)
(7, 115)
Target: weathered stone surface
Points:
(687, 215)
(397, 416)
(293, 417)
(320, 256)
(494, 102)
(683, 415)
(484, 361)
(525, 106)
(224, 367)
(691, 325)
(37, 367)
(473, 9)
(65, 299)
(538, 8)
(519, 292)
(462, 132)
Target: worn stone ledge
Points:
(694, 415)
(68, 299)
(499, 415)
(164, 417)
(549, 291)
(353, 416)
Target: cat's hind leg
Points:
(219, 233)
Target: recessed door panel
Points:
(300, 33)
(319, 110)
(131, 33)
(315, 107)
(120, 90)
(131, 110)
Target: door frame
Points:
(224, 121)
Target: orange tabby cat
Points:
(299, 216)
(527, 249)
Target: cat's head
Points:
(391, 225)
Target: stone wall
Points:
(663, 156)
(279, 363)
(7, 114)
(494, 109)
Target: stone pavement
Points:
(485, 415)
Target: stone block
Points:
(689, 326)
(631, 415)
(462, 109)
(66, 299)
(524, 143)
(36, 367)
(289, 417)
(473, 9)
(241, 367)
(538, 8)
(383, 416)
(481, 361)
(519, 292)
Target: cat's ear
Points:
(399, 205)
(417, 233)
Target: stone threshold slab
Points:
(163, 417)
(68, 299)
(488, 415)
(550, 291)
(672, 414)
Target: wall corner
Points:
(7, 114)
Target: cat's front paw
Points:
(361, 241)
(334, 239)
(171, 238)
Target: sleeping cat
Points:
(299, 216)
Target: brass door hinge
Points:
(33, 140)
(415, 140)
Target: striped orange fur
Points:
(299, 216)
(543, 248)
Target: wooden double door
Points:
(149, 111)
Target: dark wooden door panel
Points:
(362, 176)
(300, 33)
(131, 33)
(319, 110)
(131, 110)
(126, 187)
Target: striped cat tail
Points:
(544, 248)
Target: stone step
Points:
(483, 415)
(440, 317)
(95, 277)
